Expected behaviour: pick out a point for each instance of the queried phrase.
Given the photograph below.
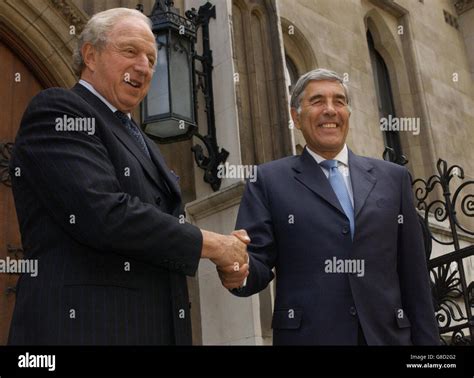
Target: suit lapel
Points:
(310, 174)
(171, 180)
(362, 179)
(126, 139)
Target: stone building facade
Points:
(413, 59)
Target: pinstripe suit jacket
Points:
(102, 220)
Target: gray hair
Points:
(319, 74)
(97, 29)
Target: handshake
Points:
(229, 253)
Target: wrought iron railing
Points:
(453, 292)
(453, 297)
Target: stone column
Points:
(223, 318)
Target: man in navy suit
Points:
(99, 209)
(341, 232)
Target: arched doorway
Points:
(33, 56)
(19, 85)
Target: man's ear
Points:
(89, 55)
(296, 118)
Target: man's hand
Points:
(241, 235)
(225, 250)
(233, 277)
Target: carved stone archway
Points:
(297, 47)
(43, 34)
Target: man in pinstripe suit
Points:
(99, 209)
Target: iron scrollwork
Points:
(445, 209)
(389, 154)
(452, 295)
(445, 290)
(215, 157)
(5, 155)
(17, 253)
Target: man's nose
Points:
(329, 108)
(142, 65)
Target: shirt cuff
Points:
(245, 281)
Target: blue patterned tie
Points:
(133, 131)
(339, 186)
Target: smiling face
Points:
(324, 117)
(121, 71)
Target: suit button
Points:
(353, 311)
(345, 230)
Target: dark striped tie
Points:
(133, 130)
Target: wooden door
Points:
(18, 85)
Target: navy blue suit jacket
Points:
(296, 225)
(102, 220)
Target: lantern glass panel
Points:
(158, 99)
(180, 72)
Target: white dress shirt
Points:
(97, 94)
(343, 158)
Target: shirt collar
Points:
(342, 156)
(97, 94)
